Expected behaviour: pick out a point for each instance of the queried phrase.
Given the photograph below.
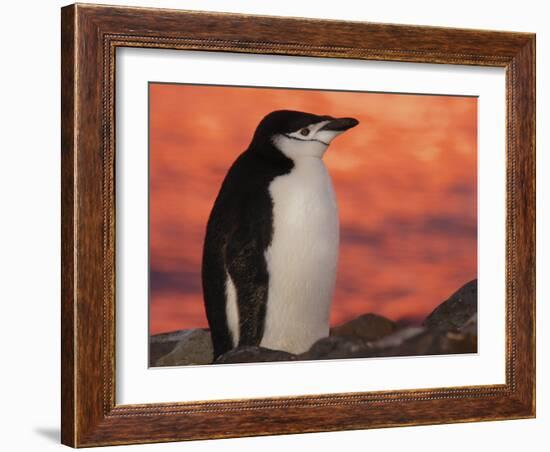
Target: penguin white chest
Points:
(302, 257)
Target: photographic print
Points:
(303, 216)
(302, 224)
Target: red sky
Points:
(405, 181)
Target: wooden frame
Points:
(90, 35)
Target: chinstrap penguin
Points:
(271, 245)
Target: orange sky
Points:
(405, 180)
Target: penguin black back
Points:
(239, 230)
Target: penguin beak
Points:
(340, 124)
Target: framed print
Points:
(282, 225)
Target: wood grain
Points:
(90, 36)
(68, 297)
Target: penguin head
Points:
(297, 134)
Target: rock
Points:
(419, 341)
(453, 313)
(162, 344)
(369, 327)
(410, 341)
(470, 327)
(399, 338)
(453, 343)
(413, 341)
(192, 347)
(253, 354)
(465, 340)
(337, 347)
(451, 328)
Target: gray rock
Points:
(413, 341)
(453, 342)
(450, 328)
(410, 341)
(368, 327)
(399, 338)
(419, 341)
(162, 344)
(253, 354)
(470, 327)
(465, 339)
(192, 347)
(453, 313)
(337, 347)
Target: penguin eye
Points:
(304, 132)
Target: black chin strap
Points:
(299, 139)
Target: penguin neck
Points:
(265, 149)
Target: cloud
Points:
(354, 235)
(408, 226)
(182, 281)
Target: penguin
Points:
(271, 245)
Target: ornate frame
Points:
(90, 35)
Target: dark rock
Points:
(465, 340)
(192, 347)
(470, 327)
(162, 344)
(253, 354)
(411, 341)
(453, 313)
(405, 322)
(453, 343)
(369, 327)
(451, 328)
(419, 341)
(337, 347)
(399, 338)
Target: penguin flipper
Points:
(246, 264)
(214, 290)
